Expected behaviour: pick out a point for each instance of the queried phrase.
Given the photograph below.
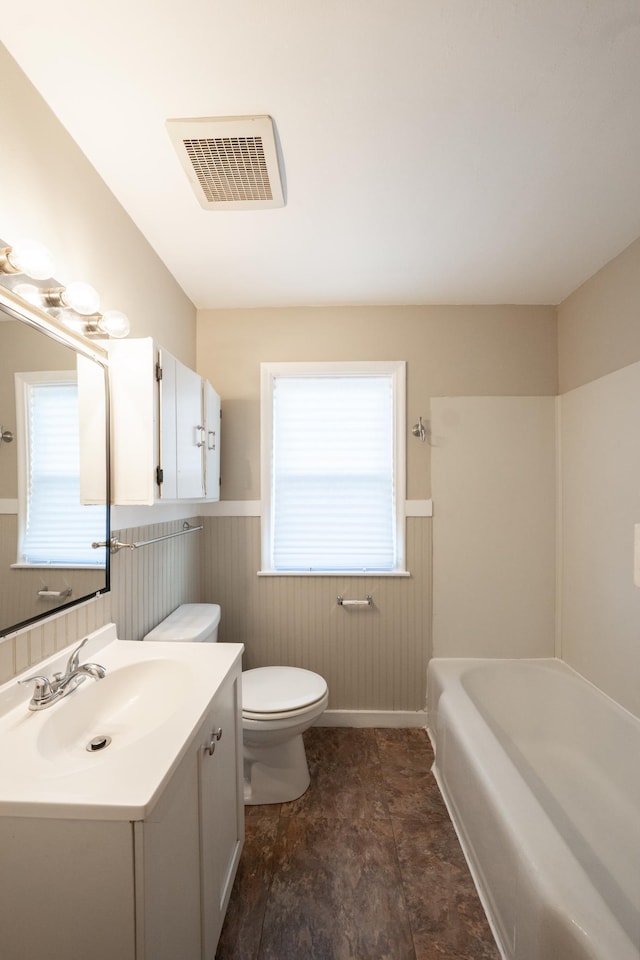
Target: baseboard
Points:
(373, 718)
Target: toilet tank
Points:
(194, 622)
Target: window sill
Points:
(56, 566)
(333, 573)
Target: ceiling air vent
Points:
(231, 162)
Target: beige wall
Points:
(451, 351)
(374, 659)
(599, 324)
(51, 193)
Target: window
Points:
(333, 468)
(55, 529)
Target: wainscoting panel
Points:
(146, 585)
(31, 645)
(373, 658)
(149, 582)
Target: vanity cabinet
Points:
(198, 821)
(165, 427)
(151, 889)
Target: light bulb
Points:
(114, 323)
(81, 297)
(32, 259)
(72, 321)
(28, 292)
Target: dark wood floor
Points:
(365, 866)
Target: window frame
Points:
(396, 370)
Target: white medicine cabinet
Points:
(165, 427)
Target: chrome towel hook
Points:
(421, 430)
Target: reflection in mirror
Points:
(53, 473)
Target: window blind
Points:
(58, 529)
(333, 501)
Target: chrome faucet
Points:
(48, 691)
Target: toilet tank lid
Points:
(190, 621)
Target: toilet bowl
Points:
(278, 705)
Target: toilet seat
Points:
(278, 693)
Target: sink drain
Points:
(98, 743)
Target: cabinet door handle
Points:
(212, 440)
(199, 429)
(215, 736)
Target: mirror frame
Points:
(20, 309)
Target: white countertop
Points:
(151, 703)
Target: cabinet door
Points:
(168, 459)
(212, 449)
(132, 374)
(221, 808)
(167, 877)
(67, 890)
(190, 433)
(172, 424)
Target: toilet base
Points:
(275, 773)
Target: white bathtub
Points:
(541, 775)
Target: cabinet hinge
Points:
(159, 475)
(158, 372)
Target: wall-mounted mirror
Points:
(54, 490)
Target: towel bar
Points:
(114, 544)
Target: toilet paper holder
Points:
(342, 602)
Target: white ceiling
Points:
(435, 151)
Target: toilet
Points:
(278, 705)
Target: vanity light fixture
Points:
(76, 304)
(77, 296)
(111, 323)
(30, 293)
(31, 259)
(97, 326)
(74, 309)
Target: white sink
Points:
(126, 705)
(148, 707)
